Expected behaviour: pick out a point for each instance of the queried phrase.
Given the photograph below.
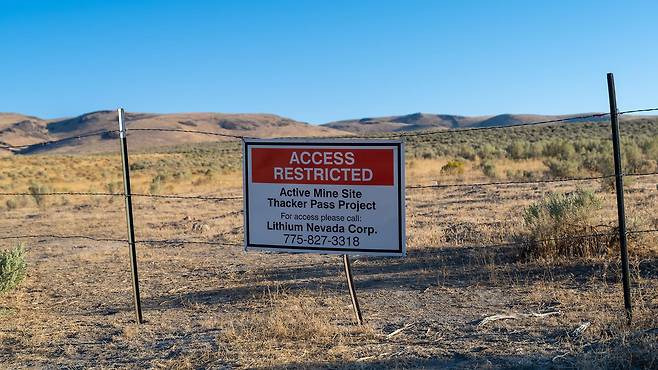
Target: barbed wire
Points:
(638, 110)
(188, 131)
(62, 193)
(224, 243)
(557, 120)
(185, 241)
(409, 187)
(50, 142)
(66, 193)
(200, 197)
(646, 231)
(411, 134)
(498, 183)
(528, 182)
(56, 236)
(472, 129)
(421, 133)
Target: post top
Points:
(122, 123)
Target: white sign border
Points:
(402, 242)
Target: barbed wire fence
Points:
(403, 135)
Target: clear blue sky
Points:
(318, 61)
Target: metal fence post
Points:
(129, 215)
(619, 186)
(350, 285)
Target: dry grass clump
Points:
(12, 268)
(292, 328)
(618, 345)
(556, 225)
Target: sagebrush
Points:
(12, 268)
(566, 225)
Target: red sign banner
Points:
(322, 166)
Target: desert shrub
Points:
(110, 135)
(156, 184)
(36, 190)
(561, 167)
(181, 175)
(140, 165)
(488, 151)
(634, 160)
(521, 175)
(535, 150)
(554, 227)
(650, 148)
(454, 167)
(12, 268)
(11, 204)
(518, 150)
(467, 152)
(561, 149)
(113, 187)
(427, 154)
(489, 169)
(598, 161)
(604, 164)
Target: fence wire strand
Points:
(50, 142)
(222, 243)
(409, 187)
(55, 236)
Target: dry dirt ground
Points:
(215, 306)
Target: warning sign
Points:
(324, 196)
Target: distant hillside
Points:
(428, 121)
(24, 130)
(17, 129)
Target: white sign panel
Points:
(324, 196)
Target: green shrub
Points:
(427, 155)
(634, 160)
(453, 168)
(489, 169)
(561, 167)
(554, 227)
(140, 165)
(518, 150)
(488, 151)
(36, 190)
(466, 152)
(11, 204)
(650, 148)
(12, 268)
(561, 149)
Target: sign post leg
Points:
(350, 285)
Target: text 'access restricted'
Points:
(324, 196)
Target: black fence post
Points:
(619, 186)
(129, 215)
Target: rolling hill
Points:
(25, 130)
(429, 121)
(36, 133)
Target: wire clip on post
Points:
(129, 215)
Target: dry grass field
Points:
(215, 306)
